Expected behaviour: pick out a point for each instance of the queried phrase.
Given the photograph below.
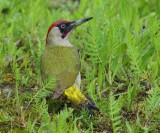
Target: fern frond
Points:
(114, 113)
(152, 102)
(30, 127)
(44, 91)
(38, 57)
(60, 124)
(129, 127)
(49, 83)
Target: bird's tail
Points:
(74, 95)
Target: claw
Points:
(89, 110)
(90, 106)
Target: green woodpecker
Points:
(61, 59)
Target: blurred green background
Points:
(120, 55)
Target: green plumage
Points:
(63, 63)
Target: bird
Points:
(61, 59)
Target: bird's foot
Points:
(91, 107)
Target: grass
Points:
(120, 55)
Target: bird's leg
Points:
(90, 106)
(78, 99)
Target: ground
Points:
(120, 55)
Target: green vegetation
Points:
(120, 54)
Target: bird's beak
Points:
(79, 22)
(73, 25)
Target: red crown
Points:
(54, 25)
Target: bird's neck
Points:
(58, 42)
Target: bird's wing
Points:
(61, 62)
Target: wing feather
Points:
(61, 62)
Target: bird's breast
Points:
(61, 62)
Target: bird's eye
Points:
(63, 26)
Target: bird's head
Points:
(59, 31)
